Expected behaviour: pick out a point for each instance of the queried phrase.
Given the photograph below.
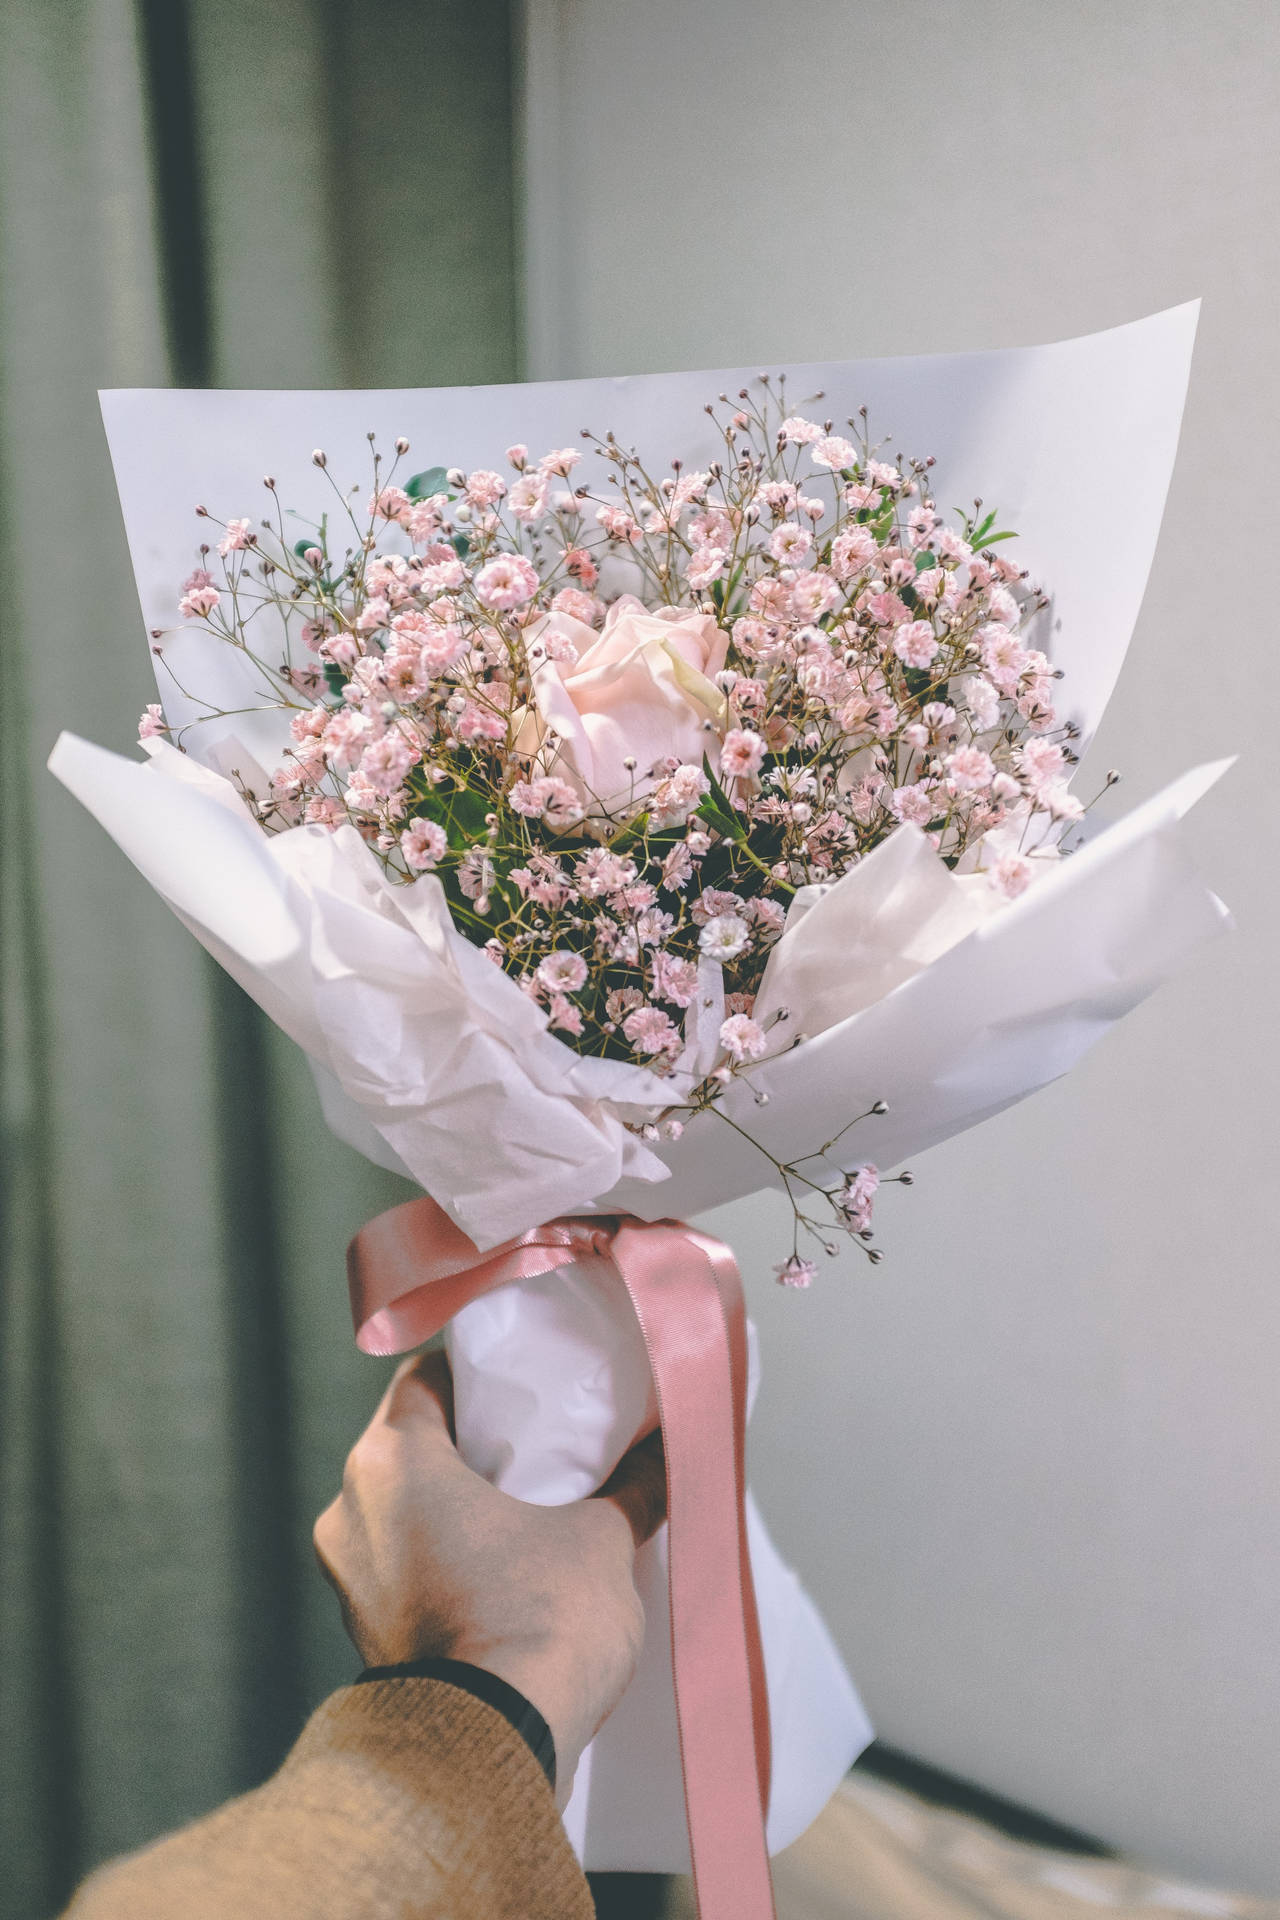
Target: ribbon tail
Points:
(687, 1295)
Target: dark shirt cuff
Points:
(486, 1686)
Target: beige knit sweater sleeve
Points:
(405, 1798)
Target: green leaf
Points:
(992, 539)
(717, 808)
(461, 545)
(430, 480)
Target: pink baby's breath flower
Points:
(741, 753)
(508, 580)
(713, 528)
(724, 937)
(674, 799)
(813, 594)
(1040, 762)
(528, 497)
(325, 810)
(799, 431)
(857, 1196)
(1060, 802)
(742, 1038)
(969, 770)
(916, 644)
(546, 798)
(651, 1031)
(796, 1272)
(851, 551)
(913, 803)
(562, 971)
(619, 524)
(982, 702)
(563, 1015)
(1002, 606)
(833, 452)
(767, 918)
(705, 564)
(674, 979)
(198, 603)
(423, 845)
(152, 722)
(235, 536)
(518, 456)
(581, 606)
(392, 503)
(485, 488)
(385, 764)
(1011, 875)
(579, 565)
(476, 724)
(789, 543)
(475, 874)
(561, 460)
(1003, 656)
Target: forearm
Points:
(401, 1797)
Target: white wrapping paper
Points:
(909, 984)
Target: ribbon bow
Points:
(411, 1269)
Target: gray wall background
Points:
(1031, 1468)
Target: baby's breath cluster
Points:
(622, 728)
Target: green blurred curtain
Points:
(312, 193)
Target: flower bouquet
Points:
(624, 825)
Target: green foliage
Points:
(430, 480)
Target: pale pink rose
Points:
(423, 844)
(742, 1038)
(640, 694)
(506, 581)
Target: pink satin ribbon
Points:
(412, 1269)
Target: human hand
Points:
(429, 1560)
